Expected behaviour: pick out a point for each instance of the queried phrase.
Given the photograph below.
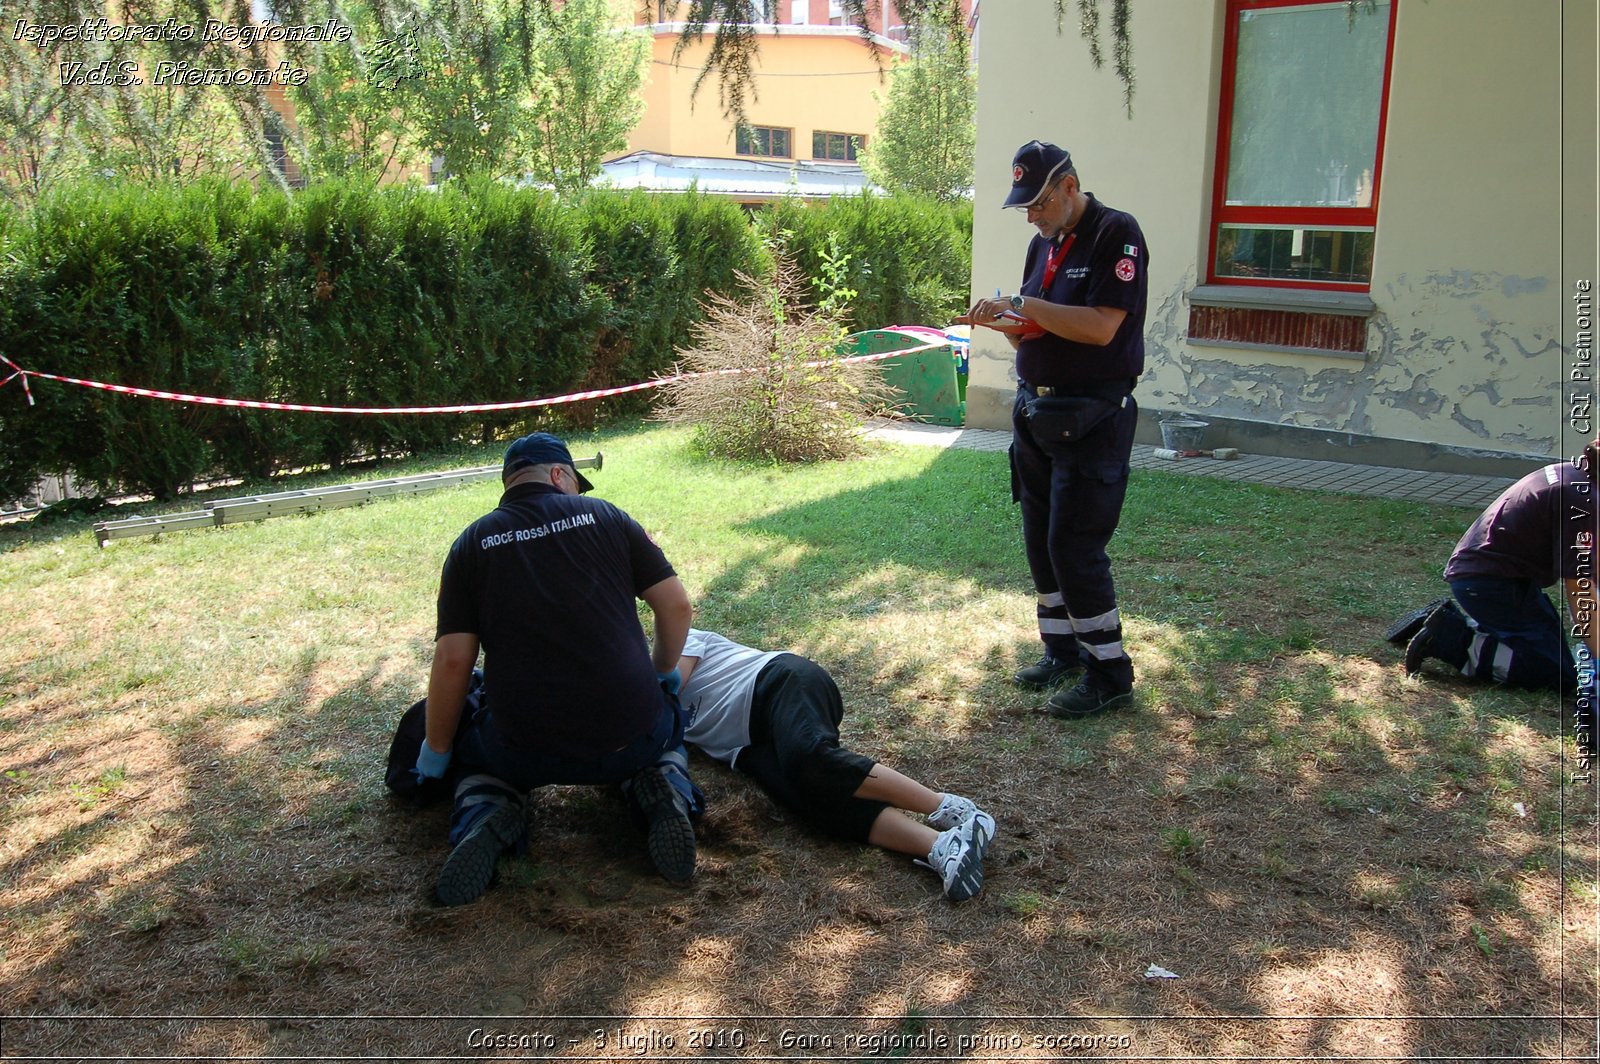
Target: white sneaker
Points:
(957, 858)
(955, 810)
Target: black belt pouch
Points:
(1067, 418)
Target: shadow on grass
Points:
(1311, 842)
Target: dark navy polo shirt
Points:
(1541, 528)
(1108, 265)
(548, 584)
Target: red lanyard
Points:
(1054, 263)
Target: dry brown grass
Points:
(1330, 856)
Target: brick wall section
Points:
(1280, 328)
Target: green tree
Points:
(349, 107)
(473, 97)
(124, 107)
(736, 41)
(926, 137)
(38, 142)
(590, 98)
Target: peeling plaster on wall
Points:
(1475, 427)
(1164, 330)
(1489, 391)
(1480, 376)
(1549, 346)
(1514, 286)
(1419, 399)
(1466, 284)
(1435, 381)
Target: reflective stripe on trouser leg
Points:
(674, 765)
(1516, 636)
(1083, 519)
(1101, 637)
(1032, 472)
(1055, 627)
(478, 796)
(1517, 662)
(1487, 658)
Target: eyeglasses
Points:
(1045, 202)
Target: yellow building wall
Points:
(812, 78)
(1474, 329)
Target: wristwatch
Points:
(1016, 303)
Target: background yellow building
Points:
(813, 101)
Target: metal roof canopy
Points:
(748, 178)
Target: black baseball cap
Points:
(1034, 168)
(539, 448)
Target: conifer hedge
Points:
(346, 295)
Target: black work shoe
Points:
(1401, 631)
(1047, 672)
(669, 837)
(1084, 700)
(471, 866)
(1444, 636)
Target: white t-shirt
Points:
(717, 694)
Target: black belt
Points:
(1113, 389)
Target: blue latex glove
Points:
(671, 682)
(431, 765)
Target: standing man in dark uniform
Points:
(1077, 324)
(572, 693)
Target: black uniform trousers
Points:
(1071, 495)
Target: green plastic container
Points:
(932, 390)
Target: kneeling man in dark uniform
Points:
(573, 692)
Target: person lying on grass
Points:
(775, 716)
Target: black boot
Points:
(1401, 631)
(1445, 636)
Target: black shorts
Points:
(794, 751)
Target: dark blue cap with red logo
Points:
(1034, 168)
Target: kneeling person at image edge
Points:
(1498, 626)
(572, 693)
(775, 717)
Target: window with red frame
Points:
(1305, 86)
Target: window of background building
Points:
(764, 140)
(839, 147)
(277, 150)
(1300, 143)
(799, 10)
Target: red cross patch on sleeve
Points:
(1125, 270)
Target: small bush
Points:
(770, 382)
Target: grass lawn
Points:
(1333, 859)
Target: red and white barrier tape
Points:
(474, 408)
